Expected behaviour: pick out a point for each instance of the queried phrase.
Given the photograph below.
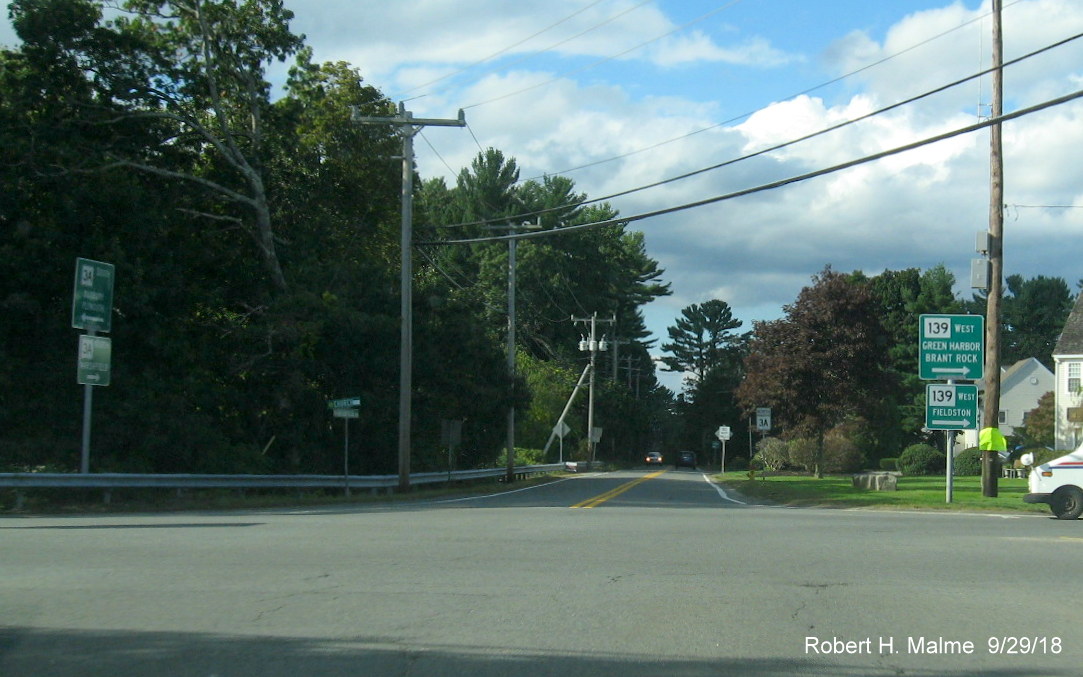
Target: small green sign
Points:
(92, 300)
(95, 358)
(951, 347)
(347, 403)
(951, 407)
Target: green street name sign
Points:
(951, 347)
(347, 403)
(95, 358)
(951, 407)
(92, 302)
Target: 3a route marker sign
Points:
(951, 407)
(763, 419)
(951, 347)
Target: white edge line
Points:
(720, 492)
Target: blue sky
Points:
(640, 75)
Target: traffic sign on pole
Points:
(95, 357)
(763, 419)
(951, 407)
(92, 299)
(951, 347)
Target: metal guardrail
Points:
(32, 480)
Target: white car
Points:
(1058, 483)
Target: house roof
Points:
(1071, 339)
(1021, 370)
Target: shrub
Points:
(968, 462)
(737, 463)
(841, 453)
(802, 453)
(771, 453)
(889, 464)
(921, 459)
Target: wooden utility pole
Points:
(407, 126)
(991, 409)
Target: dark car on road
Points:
(653, 458)
(686, 459)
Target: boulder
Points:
(876, 481)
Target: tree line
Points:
(255, 239)
(256, 242)
(840, 368)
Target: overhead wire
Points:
(710, 127)
(780, 183)
(803, 92)
(791, 142)
(505, 50)
(605, 59)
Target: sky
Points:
(619, 94)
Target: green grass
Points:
(914, 493)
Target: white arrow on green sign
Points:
(951, 347)
(95, 359)
(951, 407)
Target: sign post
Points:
(763, 419)
(951, 347)
(723, 434)
(92, 310)
(346, 409)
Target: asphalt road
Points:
(631, 573)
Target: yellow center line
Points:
(613, 493)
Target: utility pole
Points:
(991, 409)
(407, 127)
(594, 346)
(511, 339)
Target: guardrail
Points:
(31, 480)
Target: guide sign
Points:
(951, 347)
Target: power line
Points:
(505, 49)
(605, 59)
(783, 182)
(792, 142)
(786, 98)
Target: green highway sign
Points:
(951, 407)
(951, 347)
(92, 302)
(95, 357)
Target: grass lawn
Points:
(925, 493)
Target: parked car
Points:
(686, 459)
(654, 458)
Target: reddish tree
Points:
(822, 362)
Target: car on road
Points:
(654, 458)
(686, 459)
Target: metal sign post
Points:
(92, 310)
(346, 409)
(723, 434)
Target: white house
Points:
(1068, 394)
(1021, 386)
